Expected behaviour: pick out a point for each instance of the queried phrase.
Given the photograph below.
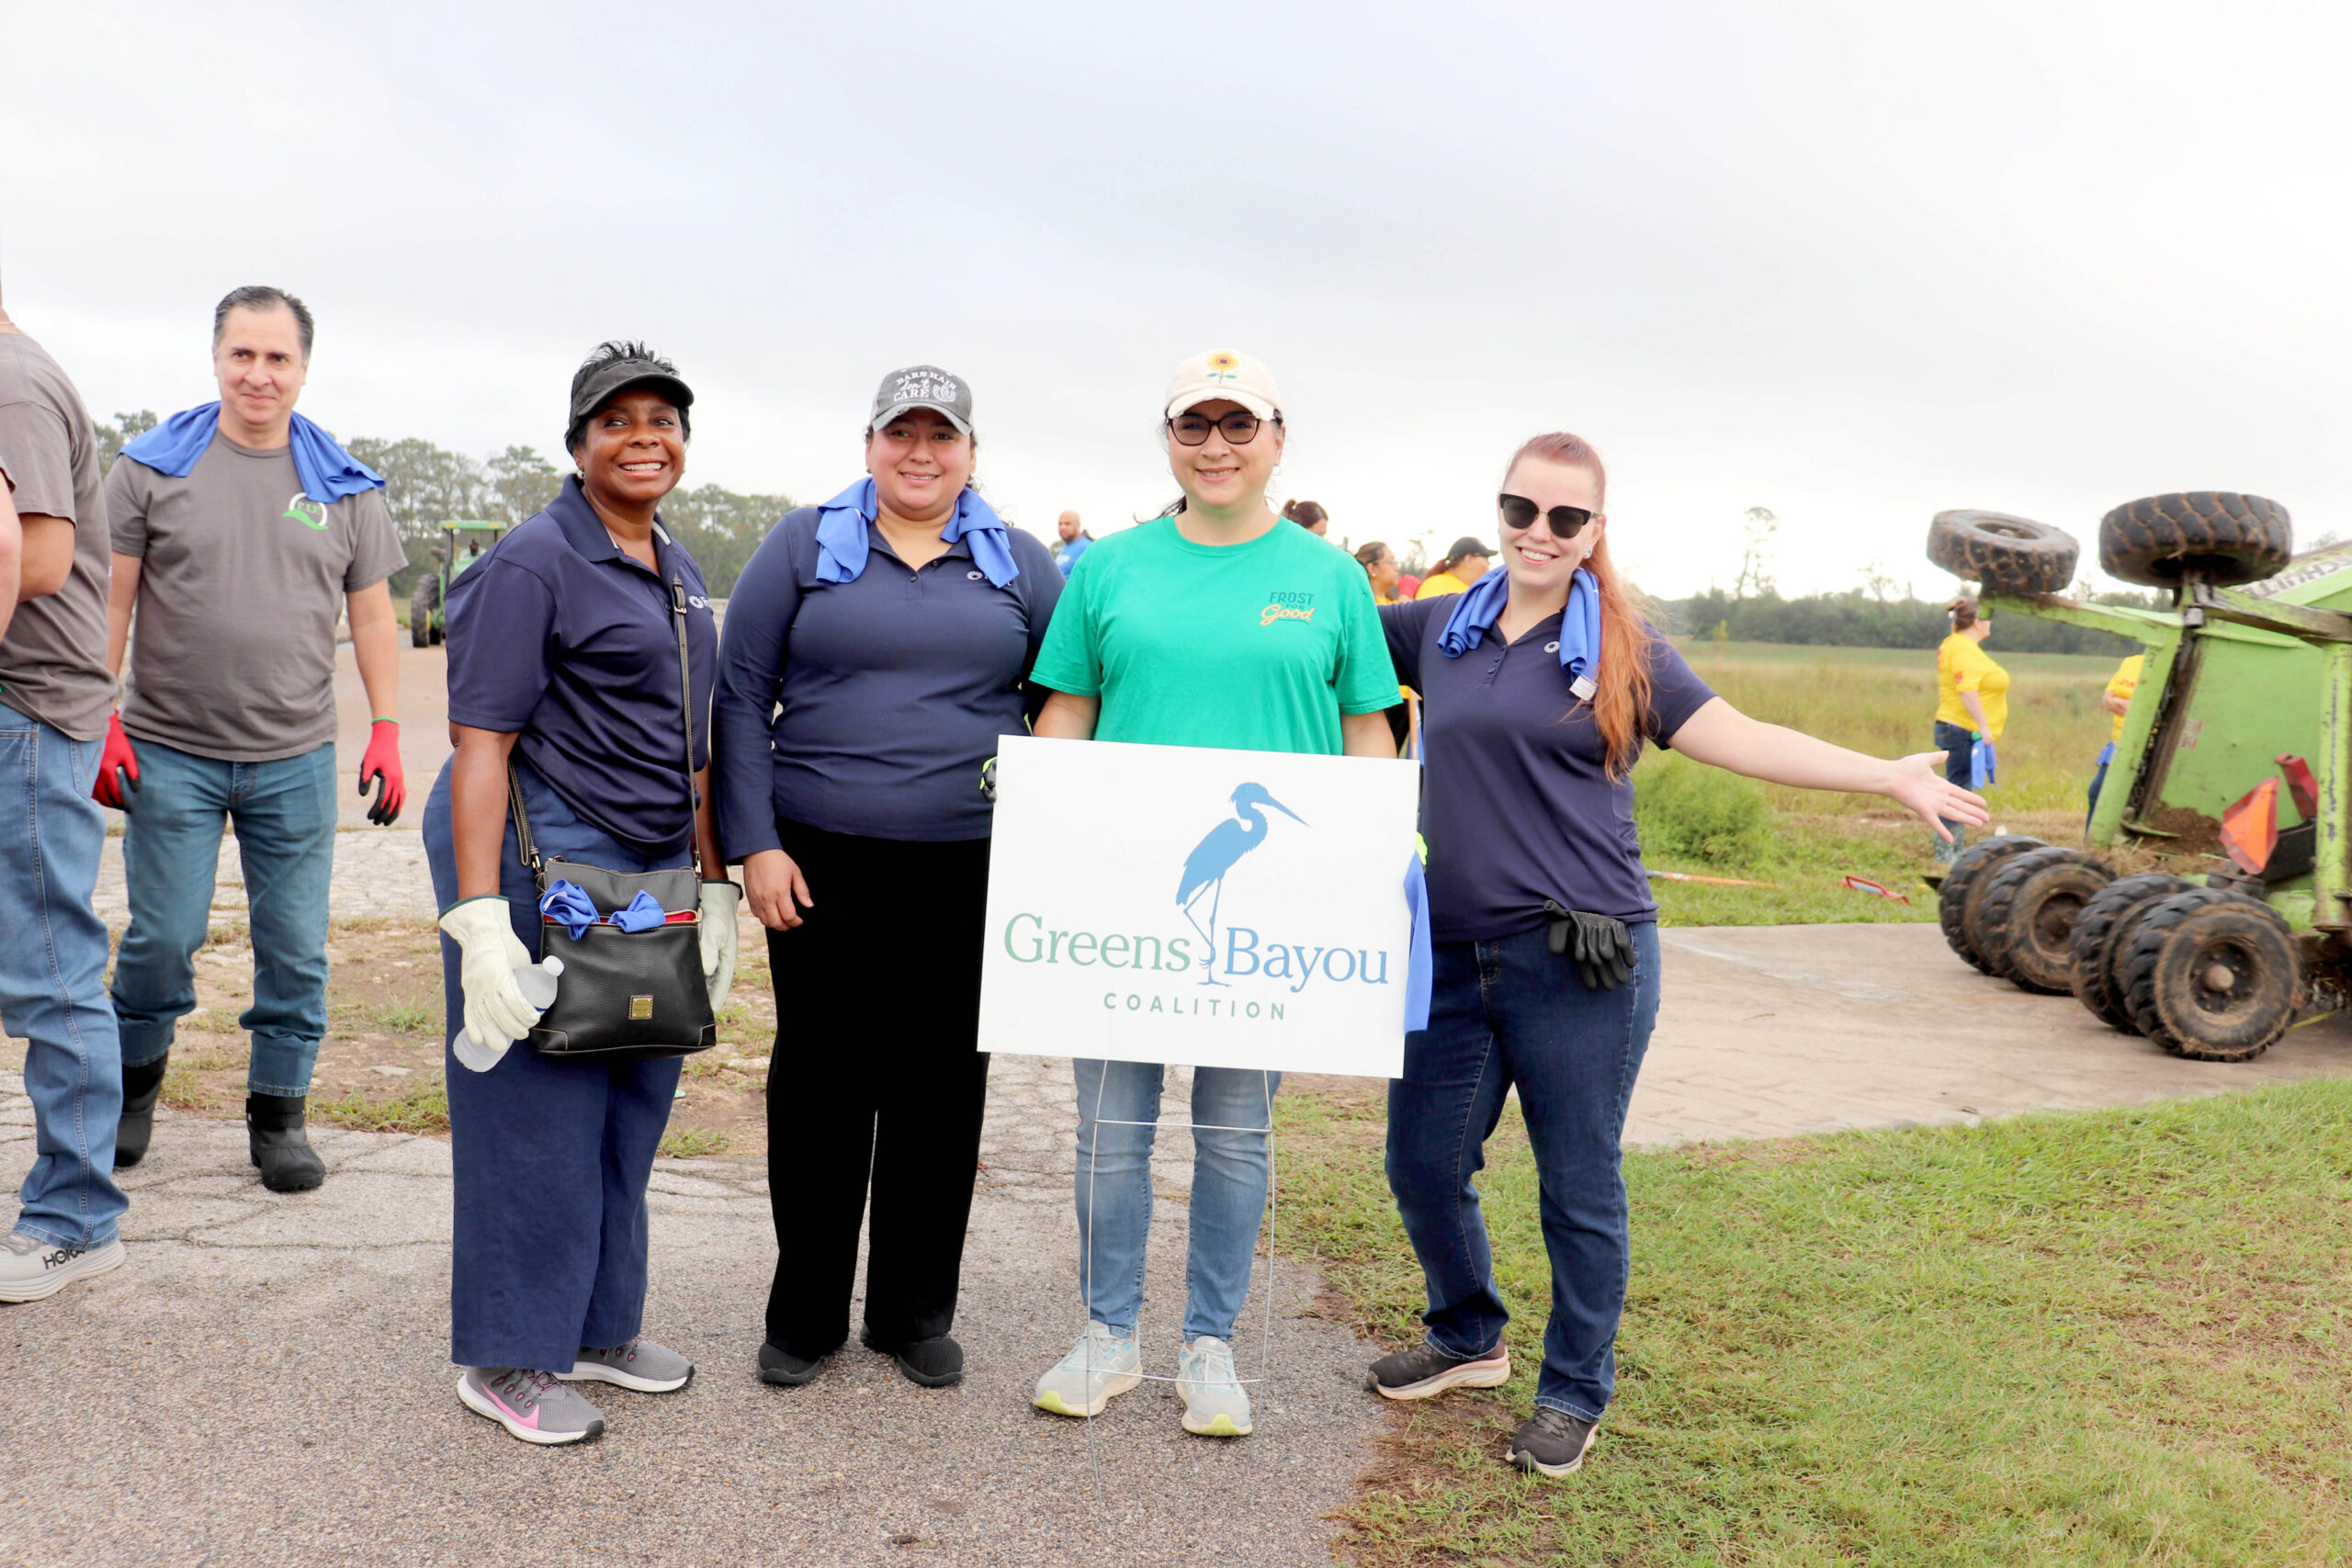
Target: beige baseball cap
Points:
(1207, 376)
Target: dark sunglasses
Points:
(1238, 428)
(1518, 512)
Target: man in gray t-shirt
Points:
(242, 533)
(54, 693)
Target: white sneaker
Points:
(31, 1268)
(1099, 1367)
(1214, 1403)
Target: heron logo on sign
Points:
(1215, 855)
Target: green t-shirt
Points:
(1259, 646)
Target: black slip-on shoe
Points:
(1425, 1370)
(140, 1086)
(1553, 1442)
(274, 1138)
(935, 1362)
(786, 1369)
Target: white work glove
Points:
(720, 937)
(497, 1014)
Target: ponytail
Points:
(1623, 694)
(1963, 611)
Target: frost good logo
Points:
(1286, 607)
(308, 513)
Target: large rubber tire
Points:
(2221, 537)
(1964, 890)
(2013, 554)
(2102, 930)
(2182, 944)
(2027, 921)
(422, 601)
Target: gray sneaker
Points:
(640, 1364)
(1215, 1404)
(31, 1268)
(1099, 1367)
(531, 1405)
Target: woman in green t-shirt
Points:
(1212, 625)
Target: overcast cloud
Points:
(1852, 262)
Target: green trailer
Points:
(428, 601)
(2246, 925)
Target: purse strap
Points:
(522, 841)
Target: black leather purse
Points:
(627, 995)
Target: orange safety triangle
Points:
(2250, 828)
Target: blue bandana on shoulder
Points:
(328, 472)
(843, 543)
(1476, 610)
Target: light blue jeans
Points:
(284, 814)
(1233, 1108)
(54, 981)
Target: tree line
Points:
(1859, 618)
(425, 485)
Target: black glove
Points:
(1602, 948)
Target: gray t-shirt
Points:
(54, 660)
(242, 579)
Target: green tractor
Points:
(428, 601)
(2232, 773)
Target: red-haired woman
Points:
(1539, 687)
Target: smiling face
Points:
(1218, 476)
(1540, 562)
(634, 450)
(258, 362)
(920, 463)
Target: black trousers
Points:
(874, 1075)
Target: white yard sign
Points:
(1213, 909)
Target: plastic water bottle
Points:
(537, 984)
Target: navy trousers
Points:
(551, 1157)
(1510, 1014)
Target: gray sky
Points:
(1854, 262)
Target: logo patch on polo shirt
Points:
(1287, 607)
(308, 513)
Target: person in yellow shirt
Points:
(1379, 563)
(1972, 702)
(1463, 565)
(2117, 700)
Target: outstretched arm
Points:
(1721, 736)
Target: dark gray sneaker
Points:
(1553, 1442)
(531, 1405)
(640, 1364)
(1425, 1370)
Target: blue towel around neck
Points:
(328, 472)
(842, 541)
(1477, 609)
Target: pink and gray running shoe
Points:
(531, 1405)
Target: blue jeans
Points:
(1958, 744)
(550, 1158)
(1234, 1107)
(284, 814)
(1510, 1014)
(54, 981)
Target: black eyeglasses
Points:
(1238, 428)
(1519, 513)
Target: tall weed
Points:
(1689, 812)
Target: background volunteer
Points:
(242, 533)
(1164, 637)
(1464, 564)
(54, 697)
(2117, 701)
(1972, 704)
(876, 652)
(1540, 687)
(564, 660)
(1075, 542)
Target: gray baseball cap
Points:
(923, 387)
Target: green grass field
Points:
(1881, 701)
(2118, 1337)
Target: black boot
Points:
(274, 1129)
(140, 1087)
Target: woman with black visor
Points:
(1540, 686)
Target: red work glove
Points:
(381, 762)
(118, 767)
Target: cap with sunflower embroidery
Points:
(1207, 376)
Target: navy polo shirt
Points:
(867, 707)
(559, 638)
(1518, 806)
